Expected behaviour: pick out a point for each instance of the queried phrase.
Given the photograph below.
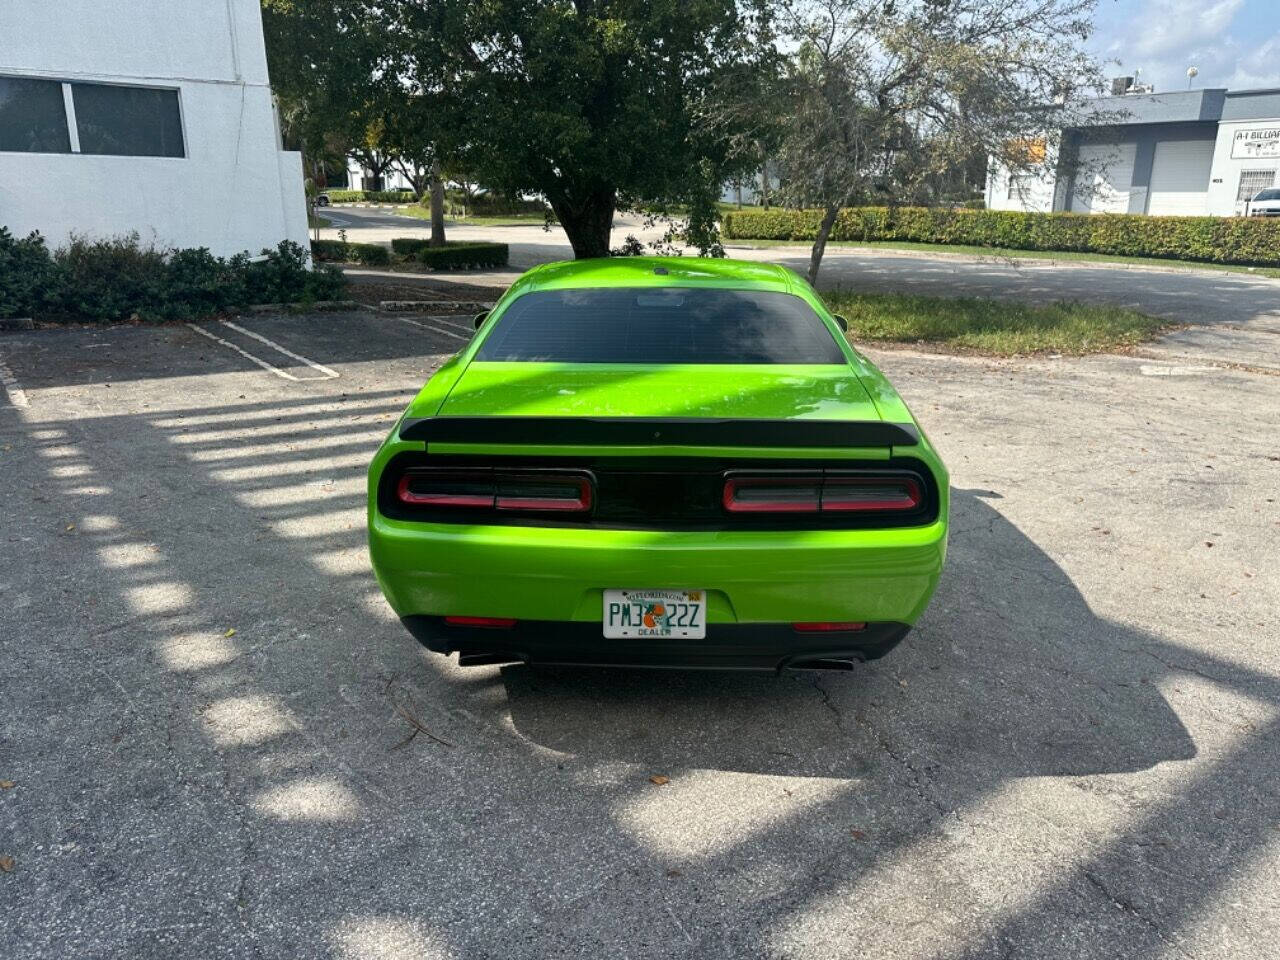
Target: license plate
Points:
(655, 613)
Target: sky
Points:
(1234, 43)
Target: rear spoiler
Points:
(646, 431)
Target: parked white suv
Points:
(1266, 203)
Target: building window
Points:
(33, 116)
(127, 121)
(1251, 181)
(52, 116)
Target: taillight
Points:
(871, 493)
(496, 490)
(571, 494)
(445, 490)
(768, 494)
(830, 492)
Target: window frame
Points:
(73, 132)
(1256, 190)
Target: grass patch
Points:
(994, 327)
(1019, 254)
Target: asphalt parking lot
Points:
(216, 740)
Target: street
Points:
(219, 742)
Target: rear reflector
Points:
(828, 627)
(480, 621)
(830, 492)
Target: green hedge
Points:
(455, 256)
(120, 278)
(371, 196)
(1245, 240)
(342, 251)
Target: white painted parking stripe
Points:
(283, 374)
(427, 326)
(17, 396)
(454, 323)
(331, 374)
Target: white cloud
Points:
(1162, 38)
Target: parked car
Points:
(658, 462)
(1266, 203)
(323, 200)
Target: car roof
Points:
(656, 272)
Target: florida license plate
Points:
(655, 613)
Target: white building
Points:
(148, 116)
(1191, 153)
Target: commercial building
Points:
(1190, 153)
(144, 116)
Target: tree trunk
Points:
(437, 206)
(764, 178)
(587, 223)
(820, 242)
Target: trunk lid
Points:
(687, 390)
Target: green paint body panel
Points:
(559, 573)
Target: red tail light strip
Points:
(828, 627)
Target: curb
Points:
(318, 306)
(435, 306)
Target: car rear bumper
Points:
(559, 574)
(734, 646)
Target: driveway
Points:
(216, 740)
(1231, 315)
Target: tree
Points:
(327, 65)
(882, 98)
(592, 104)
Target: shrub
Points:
(371, 196)
(463, 256)
(371, 254)
(1245, 240)
(197, 284)
(109, 280)
(328, 250)
(26, 272)
(119, 278)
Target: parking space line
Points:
(283, 374)
(17, 396)
(330, 374)
(427, 326)
(454, 323)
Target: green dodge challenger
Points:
(658, 462)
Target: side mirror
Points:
(844, 324)
(481, 318)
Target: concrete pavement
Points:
(220, 742)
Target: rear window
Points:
(657, 325)
(1268, 195)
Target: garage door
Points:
(1106, 171)
(1180, 177)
